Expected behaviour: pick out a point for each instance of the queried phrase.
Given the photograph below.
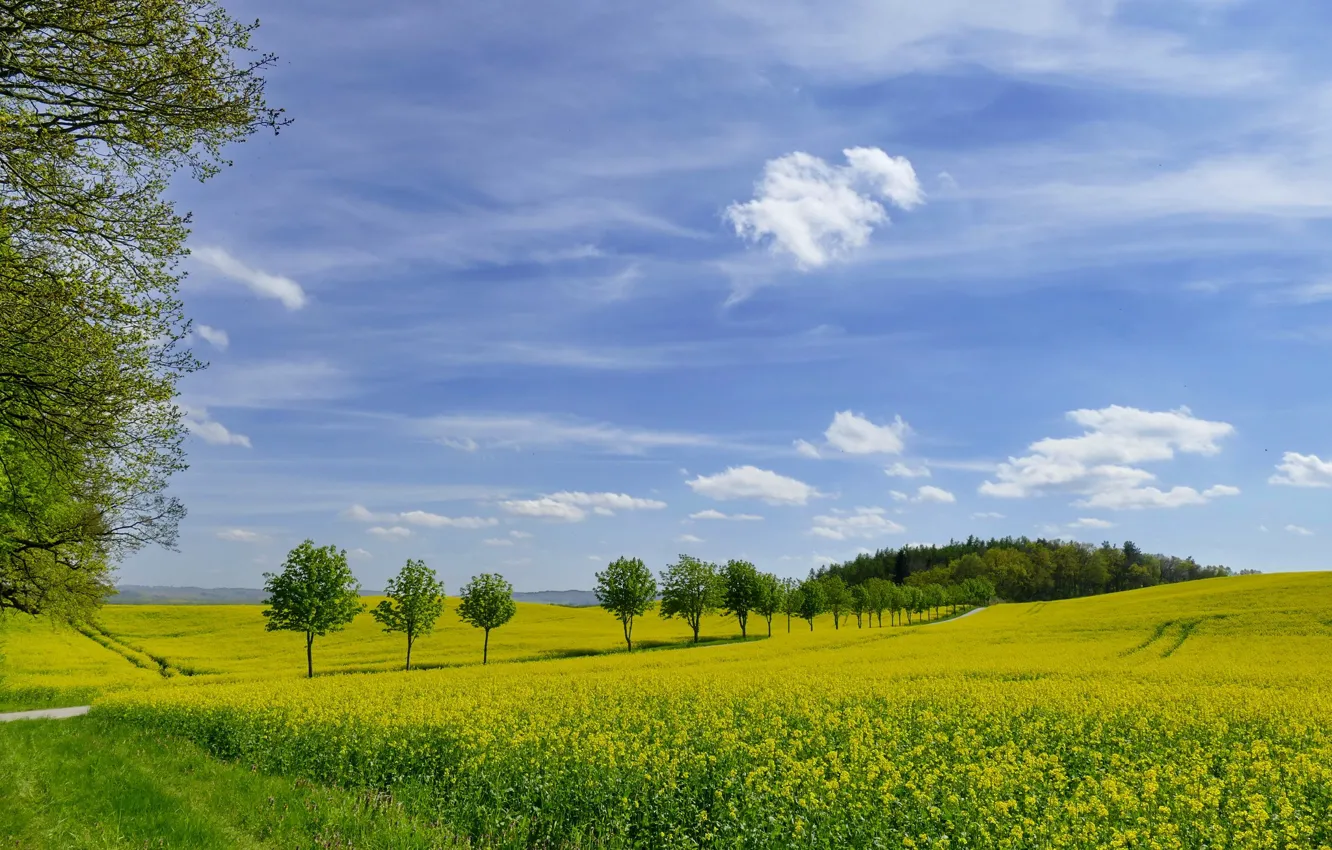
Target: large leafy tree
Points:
(690, 588)
(626, 589)
(741, 592)
(101, 102)
(315, 594)
(792, 599)
(415, 599)
(487, 603)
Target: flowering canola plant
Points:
(1186, 716)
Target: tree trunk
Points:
(628, 634)
(485, 648)
(695, 625)
(836, 626)
(744, 624)
(409, 652)
(788, 624)
(811, 624)
(309, 655)
(769, 627)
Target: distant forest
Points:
(1024, 570)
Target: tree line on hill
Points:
(1025, 570)
(316, 593)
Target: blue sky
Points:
(526, 288)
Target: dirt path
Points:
(955, 619)
(45, 713)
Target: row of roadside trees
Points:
(316, 593)
(690, 588)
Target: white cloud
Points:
(497, 541)
(358, 552)
(688, 538)
(1098, 464)
(899, 496)
(987, 515)
(361, 513)
(750, 482)
(392, 531)
(215, 337)
(520, 535)
(818, 212)
(711, 514)
(1300, 530)
(1091, 522)
(806, 448)
(901, 470)
(1297, 470)
(856, 435)
(201, 425)
(571, 506)
(240, 535)
(261, 283)
(865, 522)
(1262, 528)
(938, 495)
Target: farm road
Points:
(951, 619)
(45, 713)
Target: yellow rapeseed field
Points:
(1193, 715)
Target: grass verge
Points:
(93, 783)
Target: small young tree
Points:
(770, 599)
(415, 601)
(740, 592)
(690, 588)
(487, 603)
(836, 598)
(876, 593)
(626, 589)
(859, 604)
(934, 597)
(792, 599)
(894, 601)
(315, 593)
(812, 601)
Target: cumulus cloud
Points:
(863, 523)
(240, 535)
(203, 426)
(392, 531)
(1100, 465)
(1297, 470)
(574, 506)
(901, 470)
(1300, 530)
(1091, 522)
(215, 337)
(750, 482)
(711, 514)
(361, 513)
(856, 435)
(817, 212)
(261, 283)
(934, 494)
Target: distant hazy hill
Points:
(140, 594)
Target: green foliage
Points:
(315, 593)
(741, 592)
(836, 598)
(415, 601)
(792, 599)
(101, 102)
(812, 601)
(771, 598)
(487, 603)
(1023, 569)
(690, 588)
(626, 589)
